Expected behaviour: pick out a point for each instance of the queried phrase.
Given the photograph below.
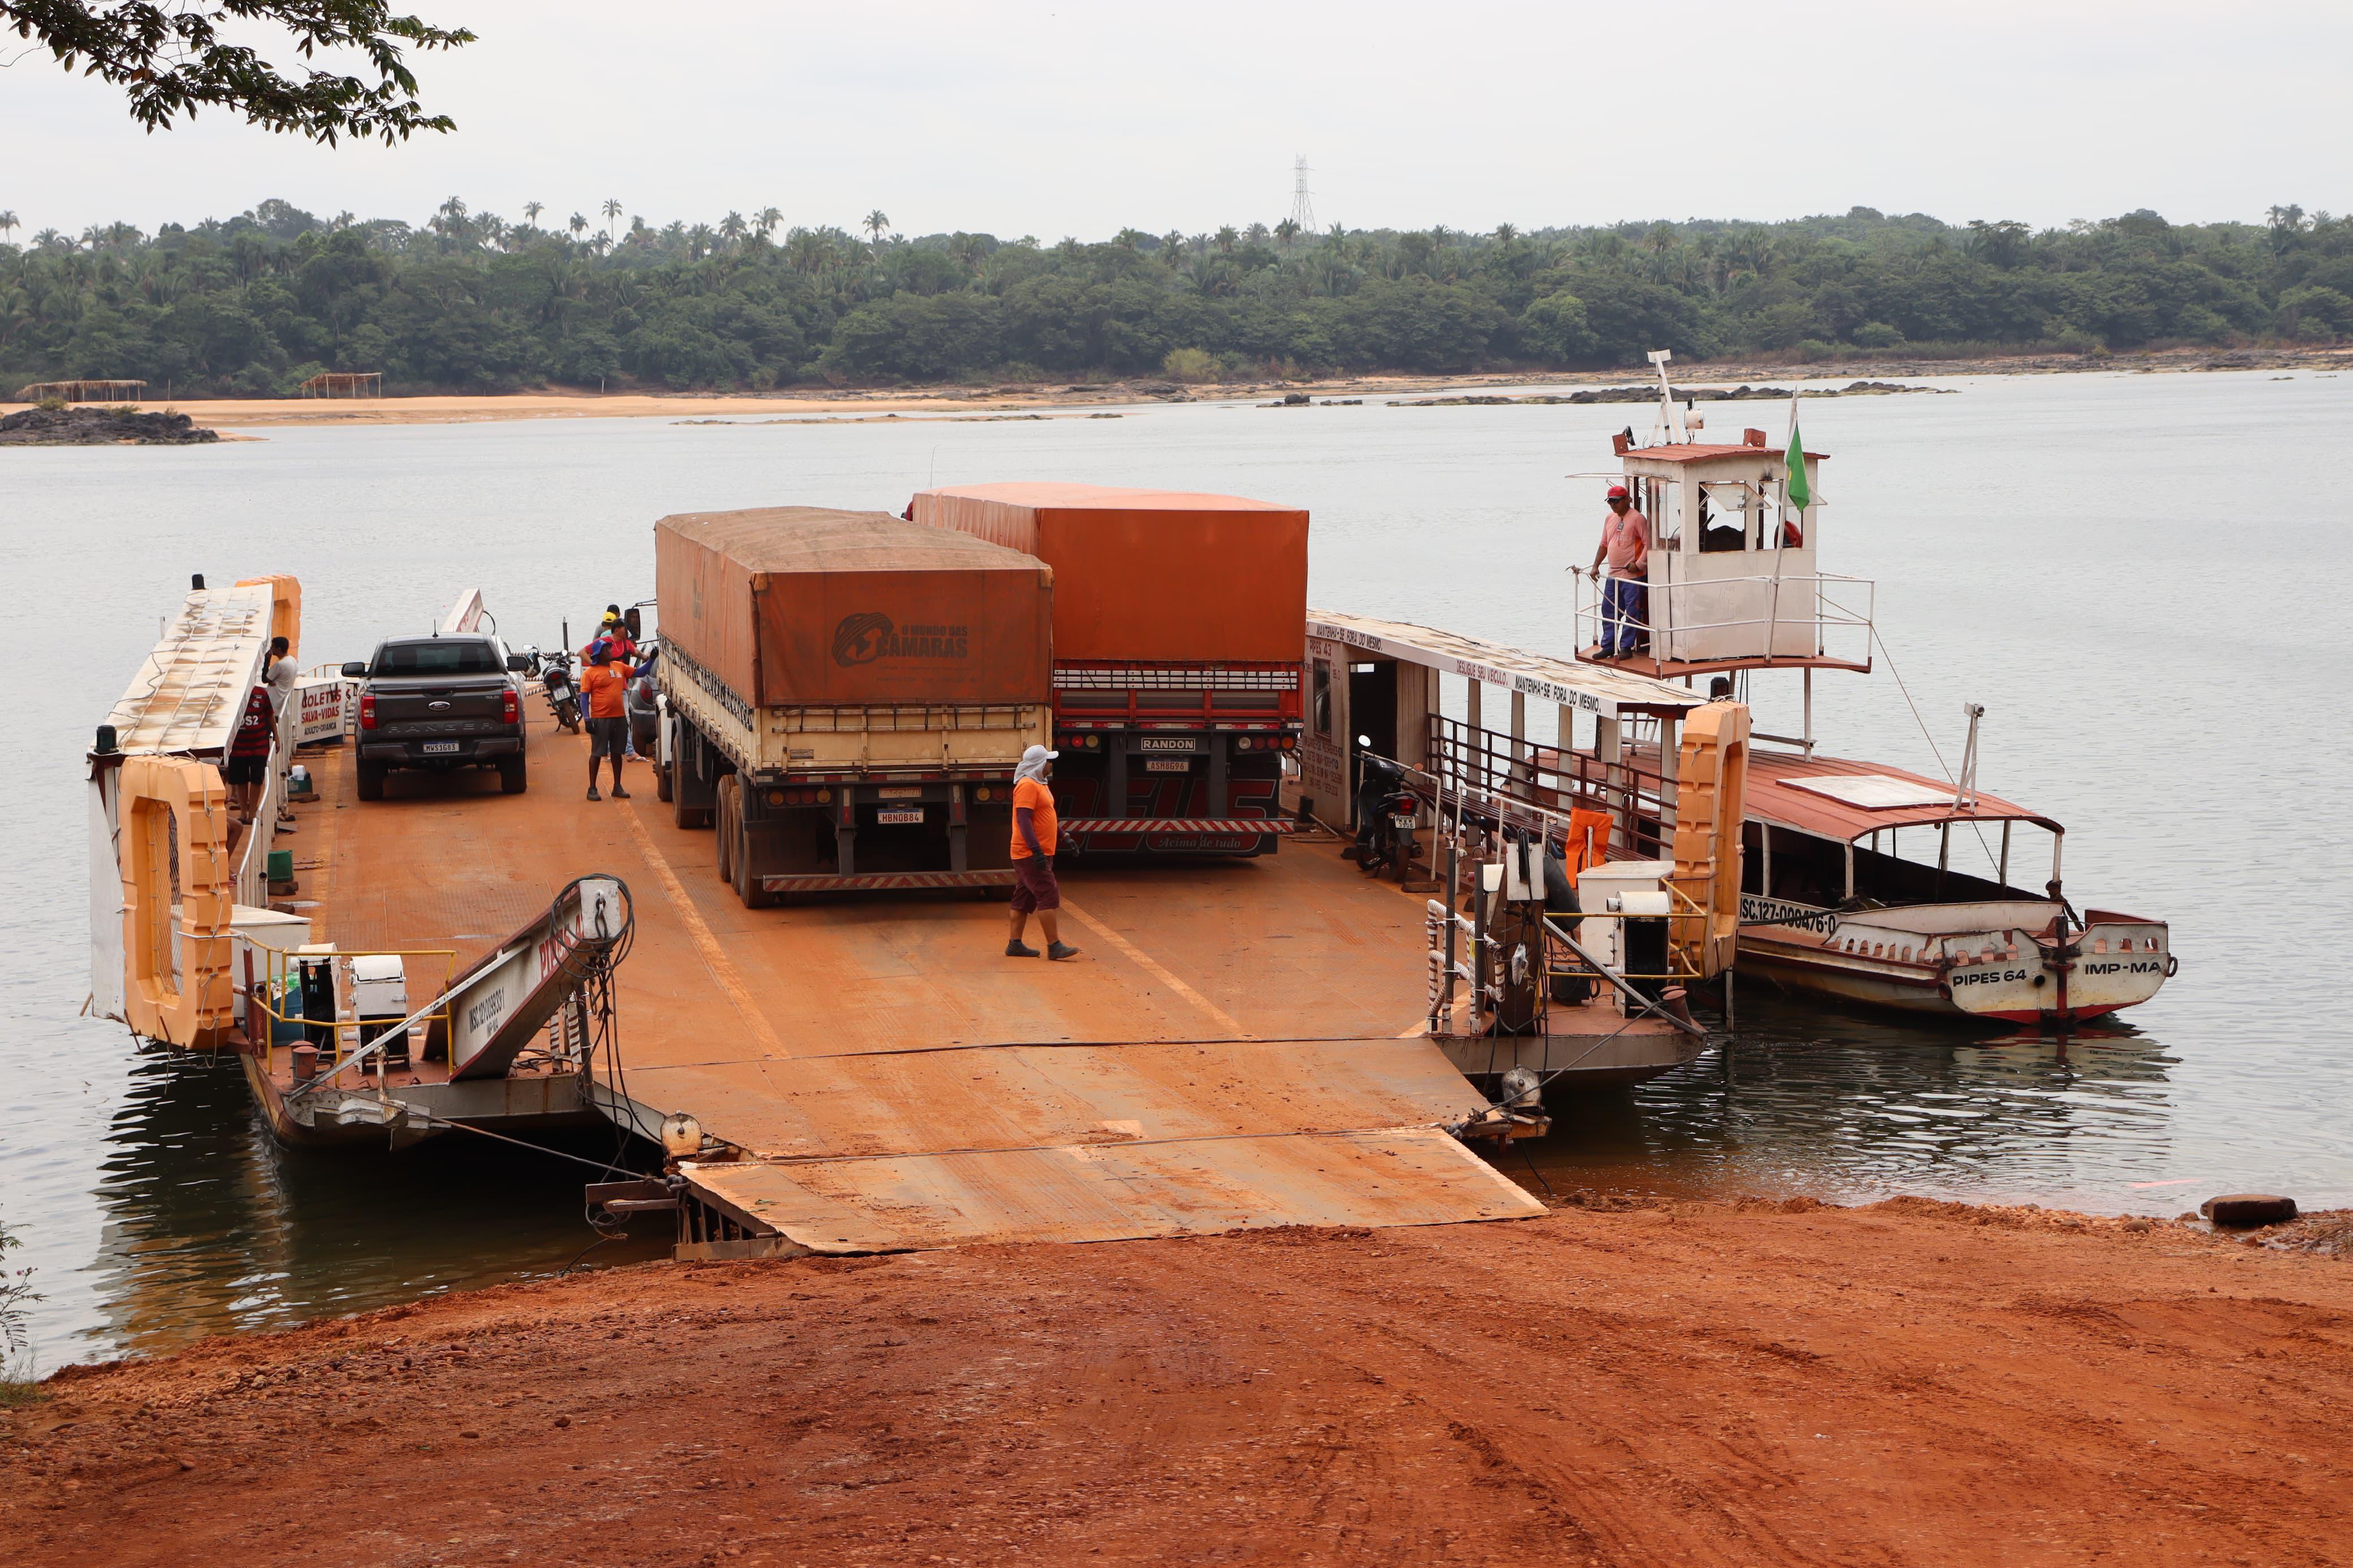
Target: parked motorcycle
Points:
(1388, 814)
(563, 691)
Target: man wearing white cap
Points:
(1626, 592)
(1034, 888)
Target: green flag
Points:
(1794, 490)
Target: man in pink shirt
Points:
(1626, 592)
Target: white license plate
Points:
(1167, 765)
(897, 792)
(900, 815)
(439, 748)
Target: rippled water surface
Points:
(2140, 576)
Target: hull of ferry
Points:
(1996, 962)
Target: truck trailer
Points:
(1179, 635)
(848, 694)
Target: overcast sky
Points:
(1069, 118)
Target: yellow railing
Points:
(278, 986)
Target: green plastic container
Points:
(281, 865)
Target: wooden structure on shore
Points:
(83, 391)
(344, 384)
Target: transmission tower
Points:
(1303, 207)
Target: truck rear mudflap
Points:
(1182, 835)
(884, 881)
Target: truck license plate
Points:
(1167, 765)
(432, 748)
(900, 815)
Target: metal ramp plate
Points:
(1115, 1192)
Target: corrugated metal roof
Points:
(190, 692)
(1774, 796)
(1592, 688)
(820, 538)
(1055, 496)
(1695, 452)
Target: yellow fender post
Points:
(285, 608)
(1710, 799)
(162, 799)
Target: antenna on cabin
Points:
(1671, 412)
(1303, 207)
(1965, 792)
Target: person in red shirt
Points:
(248, 754)
(1035, 890)
(601, 685)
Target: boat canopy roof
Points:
(190, 693)
(1833, 798)
(1590, 688)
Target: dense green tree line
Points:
(471, 302)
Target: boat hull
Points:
(1602, 1053)
(1999, 962)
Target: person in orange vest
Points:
(1035, 890)
(601, 685)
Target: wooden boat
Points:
(1830, 907)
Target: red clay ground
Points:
(1905, 1383)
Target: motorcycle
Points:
(1388, 814)
(563, 691)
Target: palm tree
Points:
(1228, 238)
(1286, 232)
(876, 223)
(8, 224)
(732, 229)
(612, 210)
(578, 226)
(530, 211)
(768, 219)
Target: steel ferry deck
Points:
(1239, 1044)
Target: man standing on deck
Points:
(1626, 592)
(609, 720)
(1034, 888)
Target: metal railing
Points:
(279, 985)
(1823, 601)
(1516, 784)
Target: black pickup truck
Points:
(440, 703)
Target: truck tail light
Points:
(367, 709)
(509, 706)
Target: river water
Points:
(2138, 575)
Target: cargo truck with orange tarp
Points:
(1179, 635)
(848, 694)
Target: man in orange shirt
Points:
(1034, 888)
(602, 684)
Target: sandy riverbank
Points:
(822, 402)
(1737, 1383)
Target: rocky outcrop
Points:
(101, 427)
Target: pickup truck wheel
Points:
(512, 777)
(661, 783)
(726, 814)
(371, 781)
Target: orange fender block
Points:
(173, 820)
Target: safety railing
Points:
(1839, 609)
(274, 1000)
(1514, 783)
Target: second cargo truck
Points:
(849, 695)
(1179, 632)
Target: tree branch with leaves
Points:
(170, 58)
